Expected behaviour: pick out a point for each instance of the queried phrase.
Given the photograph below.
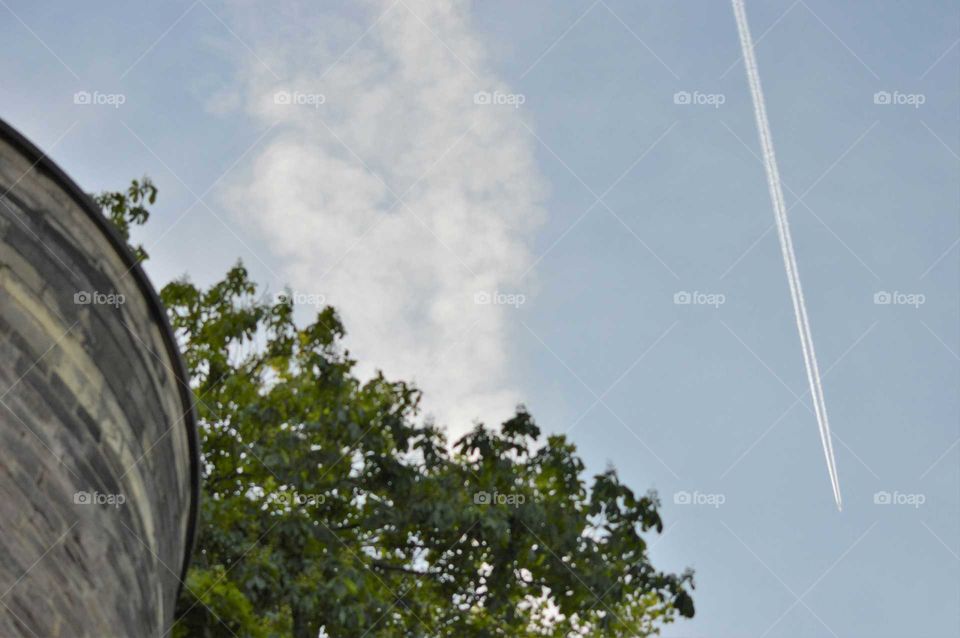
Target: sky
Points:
(563, 204)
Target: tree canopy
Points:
(331, 507)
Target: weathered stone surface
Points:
(93, 406)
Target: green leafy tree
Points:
(331, 508)
(129, 208)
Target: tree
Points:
(125, 209)
(331, 508)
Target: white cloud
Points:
(397, 112)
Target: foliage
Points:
(127, 208)
(330, 508)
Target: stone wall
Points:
(98, 452)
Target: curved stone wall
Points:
(99, 474)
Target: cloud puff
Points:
(396, 191)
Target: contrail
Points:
(786, 245)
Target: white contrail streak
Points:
(786, 245)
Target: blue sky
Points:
(533, 248)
